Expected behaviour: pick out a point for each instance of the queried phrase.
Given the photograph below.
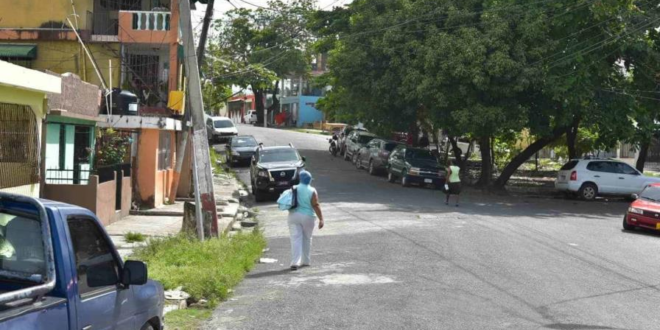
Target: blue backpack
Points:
(288, 200)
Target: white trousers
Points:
(301, 227)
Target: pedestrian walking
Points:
(301, 221)
(453, 186)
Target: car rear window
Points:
(569, 166)
(223, 124)
(390, 146)
(364, 139)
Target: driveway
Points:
(398, 258)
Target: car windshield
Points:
(651, 194)
(278, 155)
(224, 123)
(364, 139)
(21, 246)
(420, 154)
(244, 142)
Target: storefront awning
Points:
(27, 51)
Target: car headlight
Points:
(262, 173)
(414, 170)
(635, 210)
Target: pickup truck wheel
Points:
(147, 326)
(372, 170)
(390, 177)
(259, 195)
(588, 191)
(626, 226)
(405, 182)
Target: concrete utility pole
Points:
(202, 162)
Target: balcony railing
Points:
(150, 20)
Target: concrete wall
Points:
(106, 199)
(35, 13)
(77, 96)
(126, 196)
(307, 113)
(153, 185)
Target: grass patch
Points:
(205, 270)
(132, 237)
(215, 157)
(190, 318)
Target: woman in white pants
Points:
(301, 222)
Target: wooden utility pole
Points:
(204, 194)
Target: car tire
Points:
(390, 177)
(253, 188)
(405, 182)
(627, 226)
(259, 196)
(147, 326)
(372, 170)
(588, 191)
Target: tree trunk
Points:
(522, 157)
(486, 162)
(458, 153)
(259, 105)
(643, 153)
(571, 138)
(276, 101)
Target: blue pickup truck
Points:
(60, 270)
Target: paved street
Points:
(398, 258)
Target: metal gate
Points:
(19, 146)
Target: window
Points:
(21, 246)
(364, 138)
(278, 155)
(224, 123)
(19, 152)
(243, 142)
(390, 146)
(165, 150)
(92, 252)
(569, 166)
(607, 167)
(625, 169)
(373, 144)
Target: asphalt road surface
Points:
(397, 258)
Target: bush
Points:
(131, 237)
(205, 270)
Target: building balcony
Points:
(144, 27)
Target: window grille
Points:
(19, 146)
(165, 150)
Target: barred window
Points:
(19, 148)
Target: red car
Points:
(645, 211)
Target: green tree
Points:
(256, 48)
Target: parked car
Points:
(644, 212)
(589, 178)
(60, 270)
(220, 129)
(414, 165)
(356, 140)
(343, 137)
(241, 149)
(375, 155)
(250, 117)
(274, 169)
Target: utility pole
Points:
(204, 194)
(205, 32)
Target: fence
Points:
(151, 20)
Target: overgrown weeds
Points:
(205, 270)
(132, 237)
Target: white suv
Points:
(250, 117)
(592, 177)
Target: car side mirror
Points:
(634, 196)
(134, 273)
(304, 159)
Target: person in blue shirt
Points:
(302, 220)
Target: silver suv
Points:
(589, 178)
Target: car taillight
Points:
(573, 176)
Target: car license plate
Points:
(657, 226)
(428, 180)
(283, 183)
